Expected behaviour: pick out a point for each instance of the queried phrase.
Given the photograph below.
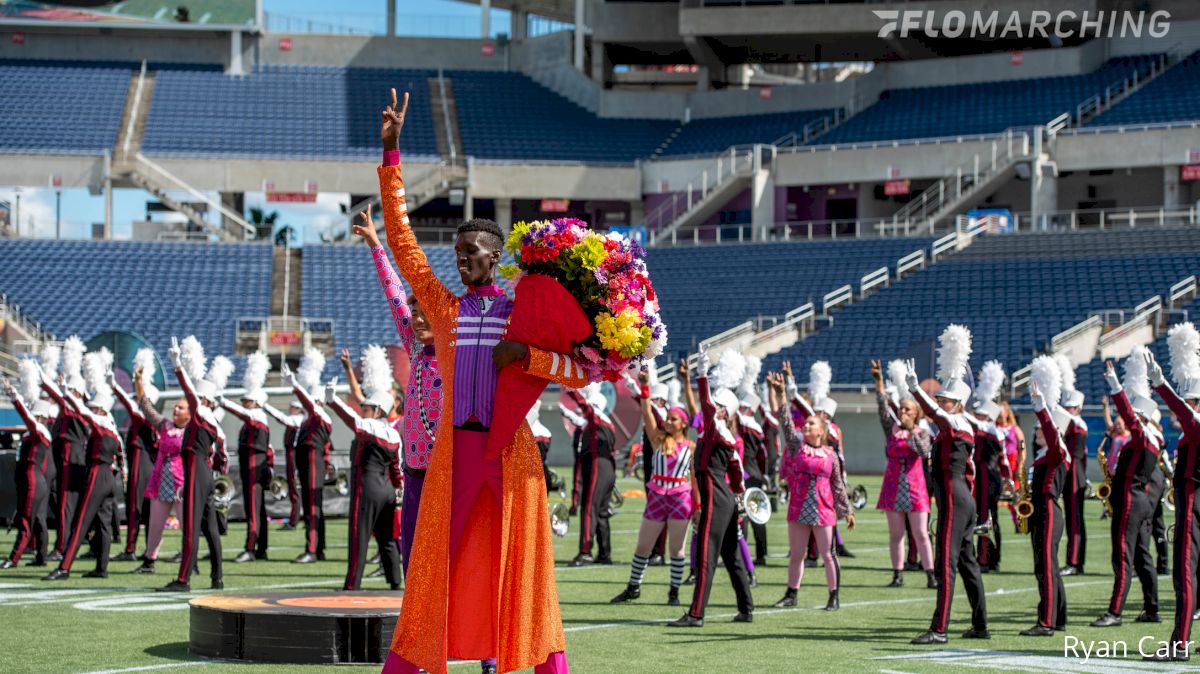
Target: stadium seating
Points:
(509, 116)
(304, 112)
(1014, 292)
(706, 290)
(708, 136)
(1172, 97)
(37, 118)
(978, 108)
(154, 290)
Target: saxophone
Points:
(1104, 491)
(1168, 470)
(1025, 502)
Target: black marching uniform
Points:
(96, 503)
(1051, 472)
(375, 468)
(312, 459)
(69, 448)
(256, 462)
(955, 545)
(1136, 489)
(33, 491)
(141, 451)
(717, 530)
(989, 453)
(1075, 492)
(202, 451)
(597, 477)
(755, 450)
(1186, 546)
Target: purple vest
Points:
(476, 332)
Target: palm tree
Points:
(263, 222)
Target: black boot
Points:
(897, 579)
(789, 599)
(688, 620)
(630, 593)
(929, 637)
(691, 579)
(146, 567)
(843, 552)
(1038, 631)
(832, 604)
(1107, 620)
(7, 564)
(243, 557)
(931, 580)
(58, 574)
(673, 597)
(124, 557)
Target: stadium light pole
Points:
(57, 214)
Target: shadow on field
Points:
(175, 651)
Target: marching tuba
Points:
(223, 493)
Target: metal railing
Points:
(733, 334)
(944, 245)
(735, 163)
(879, 277)
(914, 260)
(1185, 289)
(1144, 313)
(836, 298)
(1118, 91)
(13, 314)
(1074, 331)
(248, 229)
(796, 319)
(446, 117)
(134, 113)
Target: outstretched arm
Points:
(129, 403)
(561, 368)
(430, 291)
(570, 415)
(347, 415)
(31, 423)
(283, 419)
(234, 408)
(1054, 443)
(1189, 423)
(348, 368)
(393, 289)
(185, 382)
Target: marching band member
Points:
(903, 496)
(754, 442)
(817, 499)
(104, 442)
(597, 475)
(256, 458)
(203, 451)
(658, 406)
(718, 504)
(1075, 494)
(1133, 494)
(166, 479)
(990, 460)
(33, 458)
(291, 422)
(953, 448)
(1183, 342)
(312, 451)
(140, 453)
(69, 446)
(1051, 466)
(670, 496)
(375, 468)
(542, 436)
(459, 601)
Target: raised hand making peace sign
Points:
(393, 121)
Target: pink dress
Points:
(903, 489)
(816, 489)
(669, 491)
(167, 477)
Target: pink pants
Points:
(555, 664)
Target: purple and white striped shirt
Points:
(482, 318)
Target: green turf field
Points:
(121, 625)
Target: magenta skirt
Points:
(661, 507)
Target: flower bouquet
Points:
(606, 274)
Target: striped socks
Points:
(636, 569)
(677, 566)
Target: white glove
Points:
(910, 376)
(1114, 384)
(329, 391)
(702, 364)
(793, 391)
(632, 385)
(1154, 371)
(174, 353)
(286, 373)
(1035, 396)
(110, 379)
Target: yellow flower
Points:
(519, 230)
(621, 333)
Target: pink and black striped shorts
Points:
(663, 507)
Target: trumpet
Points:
(1025, 502)
(1104, 491)
(858, 496)
(223, 493)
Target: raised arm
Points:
(689, 394)
(185, 382)
(129, 403)
(341, 409)
(793, 392)
(234, 408)
(393, 289)
(650, 421)
(1054, 442)
(928, 405)
(56, 394)
(306, 400)
(285, 420)
(1189, 422)
(429, 290)
(31, 423)
(570, 415)
(1124, 408)
(348, 368)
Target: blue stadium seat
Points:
(1172, 97)
(29, 87)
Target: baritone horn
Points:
(858, 496)
(757, 505)
(559, 519)
(279, 488)
(223, 492)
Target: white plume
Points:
(729, 371)
(991, 378)
(674, 392)
(376, 370)
(95, 366)
(219, 372)
(1136, 381)
(308, 374)
(1067, 370)
(72, 357)
(953, 354)
(145, 361)
(819, 376)
(750, 378)
(1184, 344)
(191, 354)
(31, 381)
(257, 367)
(1046, 375)
(51, 355)
(896, 370)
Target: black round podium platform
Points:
(295, 627)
